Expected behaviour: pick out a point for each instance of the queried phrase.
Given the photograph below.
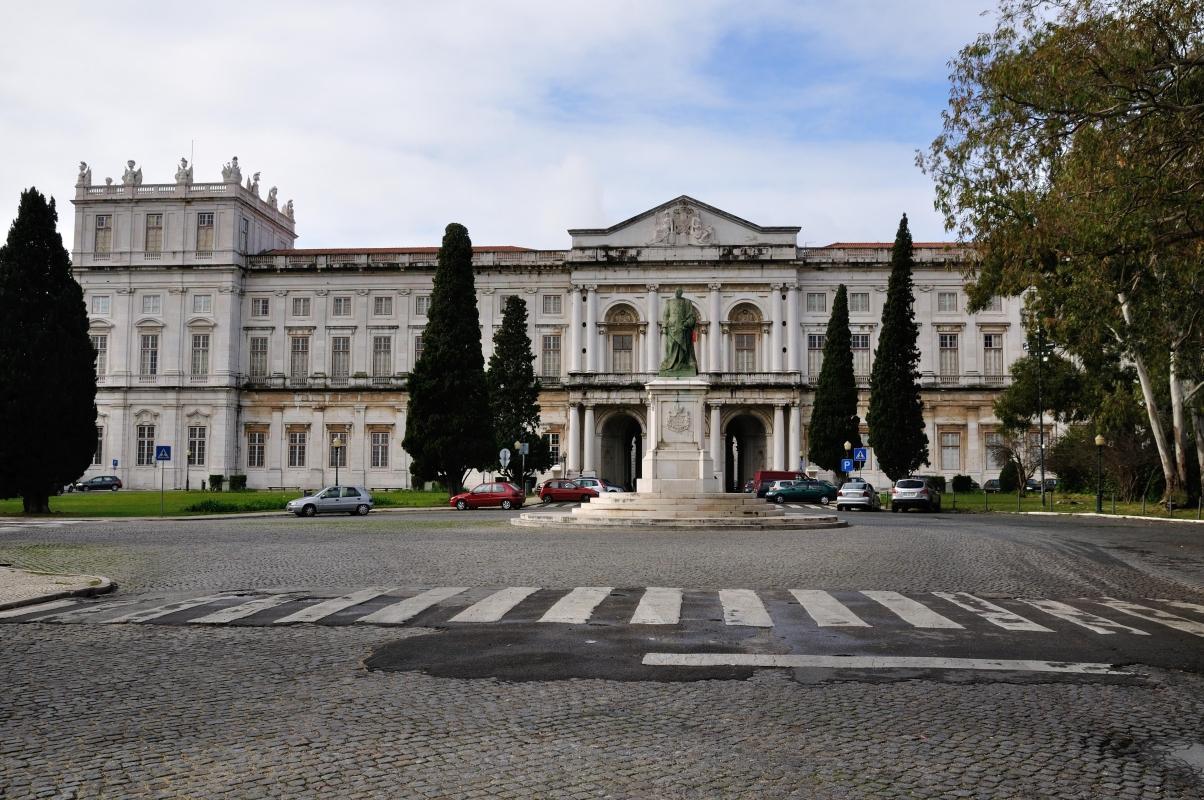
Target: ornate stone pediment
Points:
(684, 223)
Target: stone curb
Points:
(1094, 515)
(104, 587)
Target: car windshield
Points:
(909, 484)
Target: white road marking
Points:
(162, 611)
(1154, 615)
(49, 605)
(871, 662)
(576, 607)
(826, 610)
(792, 505)
(996, 615)
(658, 606)
(334, 605)
(817, 508)
(1181, 604)
(410, 607)
(910, 611)
(743, 607)
(495, 606)
(1089, 621)
(232, 613)
(85, 612)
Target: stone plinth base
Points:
(678, 462)
(694, 510)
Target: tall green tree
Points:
(896, 414)
(448, 428)
(834, 419)
(47, 363)
(514, 394)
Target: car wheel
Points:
(779, 499)
(309, 511)
(460, 504)
(825, 500)
(361, 510)
(114, 489)
(507, 505)
(547, 498)
(839, 507)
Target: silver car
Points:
(857, 493)
(333, 500)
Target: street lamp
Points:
(522, 477)
(337, 443)
(848, 450)
(1099, 473)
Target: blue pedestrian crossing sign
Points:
(861, 454)
(162, 452)
(846, 465)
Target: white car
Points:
(598, 485)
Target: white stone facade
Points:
(250, 356)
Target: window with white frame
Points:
(204, 232)
(340, 306)
(338, 449)
(244, 235)
(300, 306)
(145, 451)
(382, 306)
(946, 302)
(994, 304)
(859, 302)
(382, 356)
(101, 305)
(202, 304)
(621, 353)
(951, 451)
(261, 306)
(422, 304)
(151, 304)
(256, 448)
(379, 457)
(417, 348)
(746, 352)
(200, 354)
(148, 361)
(950, 362)
(860, 344)
(340, 358)
(298, 357)
(553, 440)
(259, 357)
(103, 242)
(993, 444)
(550, 361)
(297, 441)
(98, 455)
(817, 302)
(552, 305)
(815, 354)
(154, 234)
(992, 357)
(100, 343)
(196, 445)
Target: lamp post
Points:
(1099, 474)
(337, 443)
(848, 450)
(522, 477)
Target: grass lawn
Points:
(177, 503)
(976, 502)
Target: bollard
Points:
(1143, 505)
(986, 499)
(1113, 502)
(1017, 499)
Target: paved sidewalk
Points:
(19, 587)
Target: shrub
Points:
(215, 482)
(1009, 477)
(963, 483)
(238, 483)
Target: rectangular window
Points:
(815, 354)
(860, 343)
(746, 352)
(98, 455)
(949, 362)
(382, 356)
(995, 304)
(380, 449)
(951, 451)
(992, 357)
(946, 302)
(298, 357)
(620, 352)
(101, 305)
(151, 304)
(422, 304)
(146, 445)
(417, 348)
(553, 440)
(859, 301)
(995, 458)
(300, 306)
(244, 234)
(261, 306)
(154, 234)
(550, 363)
(382, 306)
(338, 449)
(340, 306)
(100, 343)
(551, 305)
(204, 232)
(817, 302)
(340, 358)
(103, 244)
(202, 304)
(259, 357)
(200, 354)
(196, 445)
(256, 446)
(148, 363)
(296, 448)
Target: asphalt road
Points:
(438, 654)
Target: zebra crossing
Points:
(647, 606)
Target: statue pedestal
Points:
(678, 460)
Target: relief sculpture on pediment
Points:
(682, 224)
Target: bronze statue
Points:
(679, 321)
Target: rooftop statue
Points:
(131, 176)
(679, 320)
(230, 171)
(85, 175)
(253, 184)
(184, 173)
(288, 209)
(272, 197)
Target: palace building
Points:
(251, 356)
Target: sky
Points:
(386, 121)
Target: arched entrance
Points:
(744, 447)
(622, 450)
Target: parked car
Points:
(915, 492)
(803, 490)
(857, 493)
(333, 500)
(494, 493)
(559, 489)
(764, 478)
(991, 486)
(599, 485)
(1032, 485)
(106, 482)
(780, 485)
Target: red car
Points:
(558, 490)
(497, 493)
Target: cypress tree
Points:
(514, 393)
(47, 363)
(896, 418)
(834, 419)
(448, 428)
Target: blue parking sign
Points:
(162, 452)
(846, 465)
(861, 454)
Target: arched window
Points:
(745, 327)
(622, 333)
